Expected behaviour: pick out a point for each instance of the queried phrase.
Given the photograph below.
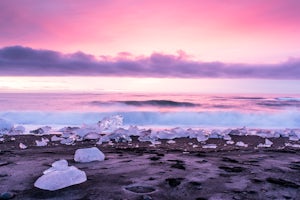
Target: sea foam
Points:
(283, 119)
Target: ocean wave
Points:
(273, 103)
(157, 103)
(214, 119)
(288, 99)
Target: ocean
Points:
(153, 110)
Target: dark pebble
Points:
(3, 163)
(201, 198)
(146, 197)
(226, 159)
(140, 189)
(173, 182)
(178, 166)
(255, 180)
(232, 169)
(282, 182)
(295, 165)
(6, 195)
(154, 158)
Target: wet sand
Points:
(139, 170)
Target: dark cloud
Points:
(23, 61)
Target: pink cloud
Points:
(21, 61)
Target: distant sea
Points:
(153, 110)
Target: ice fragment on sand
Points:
(241, 144)
(59, 176)
(215, 134)
(267, 143)
(57, 166)
(88, 155)
(209, 146)
(54, 138)
(292, 145)
(171, 141)
(67, 141)
(18, 130)
(227, 137)
(111, 123)
(22, 146)
(91, 136)
(103, 139)
(229, 142)
(5, 126)
(42, 143)
(42, 130)
(202, 138)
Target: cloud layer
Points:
(24, 61)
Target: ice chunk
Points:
(241, 144)
(171, 141)
(148, 136)
(22, 146)
(209, 146)
(42, 130)
(68, 141)
(88, 155)
(215, 134)
(227, 137)
(5, 126)
(267, 143)
(18, 130)
(202, 138)
(103, 139)
(57, 166)
(43, 142)
(91, 136)
(54, 138)
(111, 123)
(134, 130)
(229, 142)
(294, 135)
(59, 176)
(120, 135)
(292, 145)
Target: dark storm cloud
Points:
(24, 61)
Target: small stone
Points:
(146, 197)
(173, 182)
(139, 188)
(6, 195)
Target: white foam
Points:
(216, 119)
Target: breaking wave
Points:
(158, 103)
(212, 119)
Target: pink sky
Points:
(228, 31)
(216, 30)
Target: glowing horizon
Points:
(171, 39)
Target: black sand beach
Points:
(138, 170)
